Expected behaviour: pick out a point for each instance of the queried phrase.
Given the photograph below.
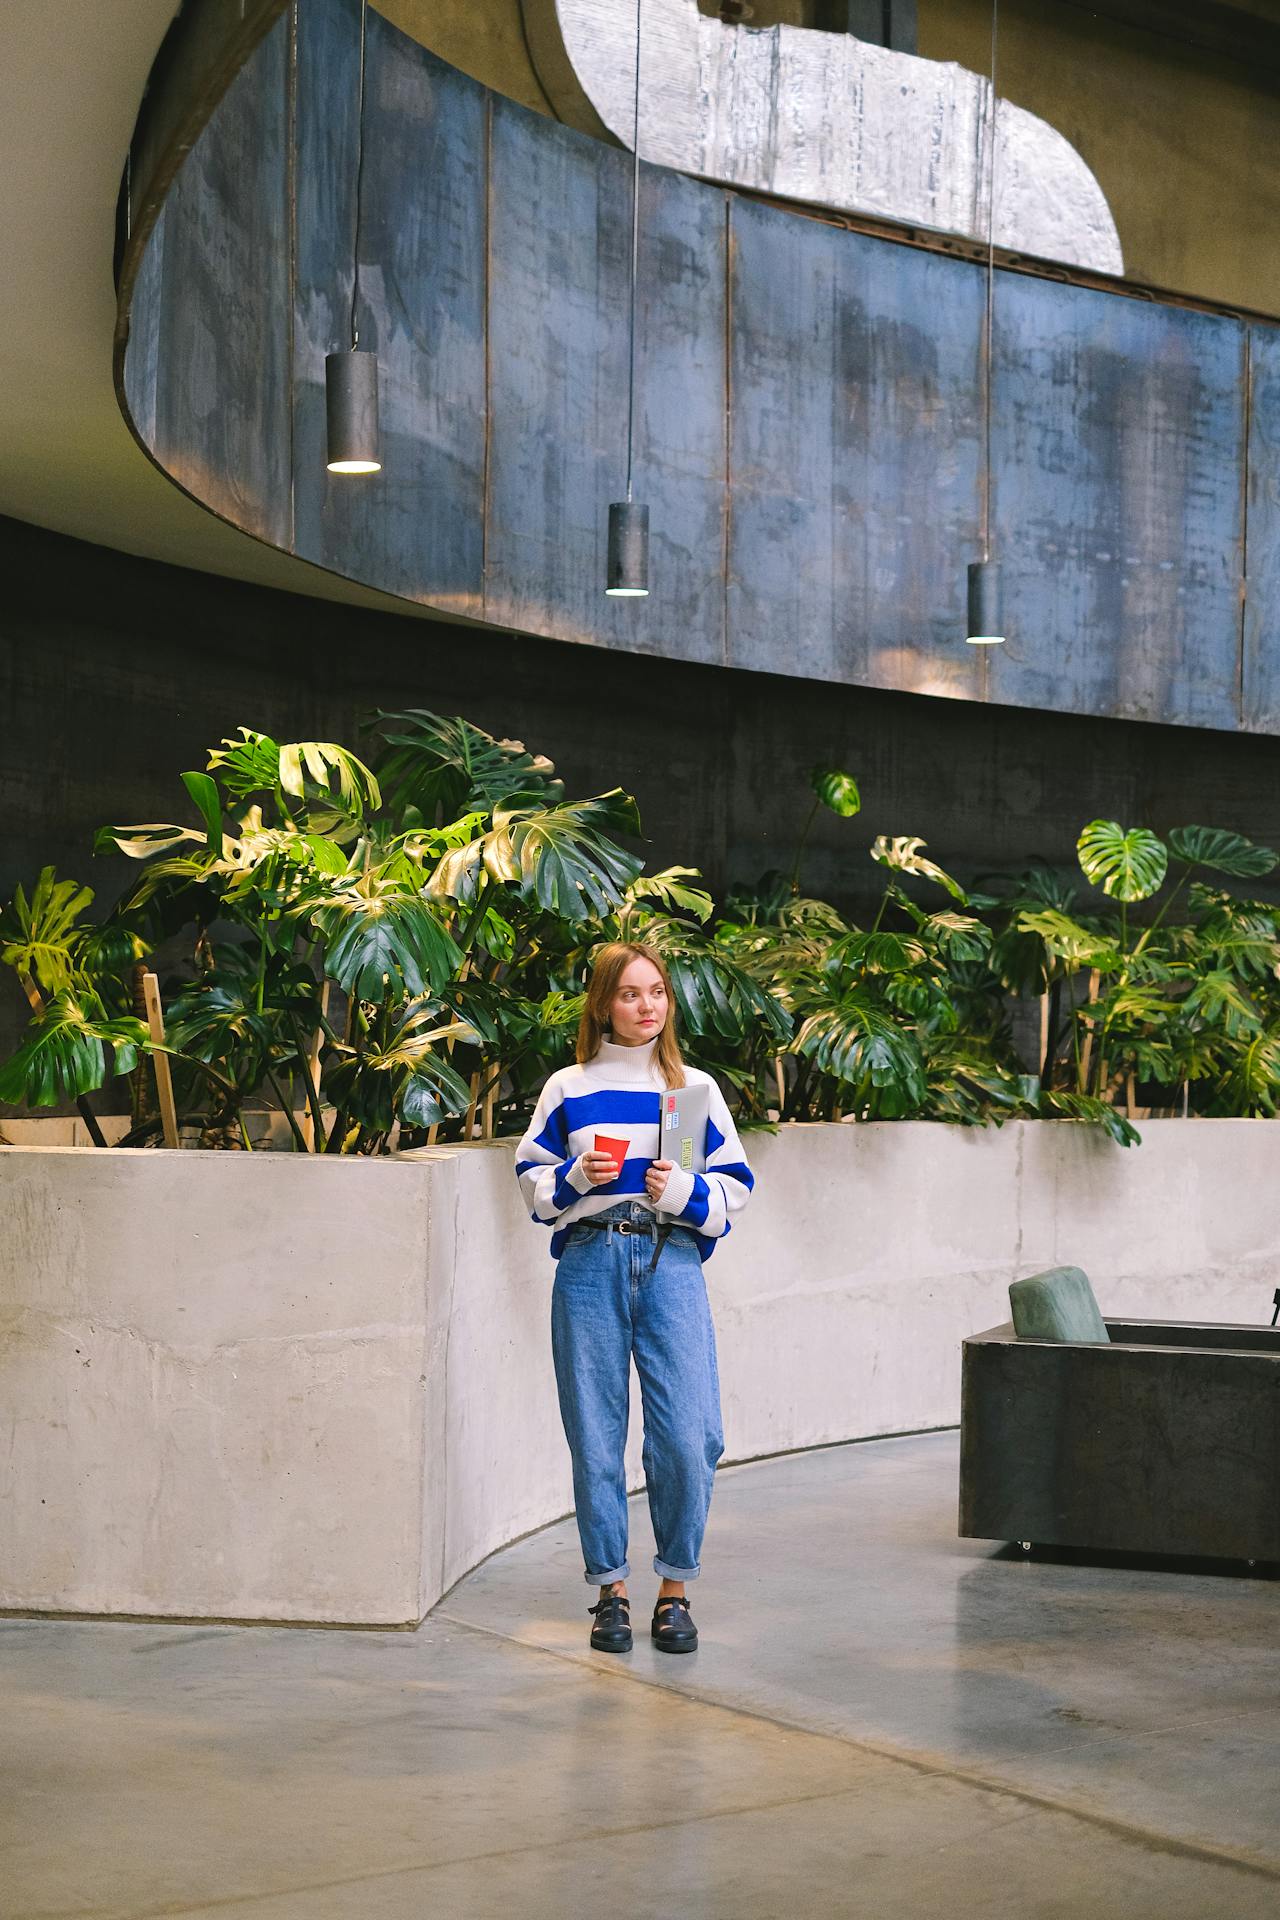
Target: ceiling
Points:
(72, 73)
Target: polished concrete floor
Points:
(881, 1721)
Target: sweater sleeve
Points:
(551, 1178)
(706, 1201)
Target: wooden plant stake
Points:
(471, 1110)
(164, 1079)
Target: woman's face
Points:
(638, 1010)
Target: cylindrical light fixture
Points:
(351, 405)
(628, 571)
(351, 378)
(986, 625)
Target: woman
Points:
(629, 1241)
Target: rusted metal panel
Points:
(416, 528)
(560, 236)
(220, 323)
(1261, 639)
(808, 427)
(1119, 443)
(855, 457)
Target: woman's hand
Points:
(655, 1179)
(600, 1168)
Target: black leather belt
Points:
(661, 1231)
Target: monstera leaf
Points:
(1069, 940)
(443, 767)
(1218, 999)
(1224, 852)
(1251, 1084)
(560, 858)
(861, 1044)
(714, 994)
(410, 1077)
(1127, 866)
(245, 1013)
(837, 791)
(904, 855)
(1060, 1105)
(306, 770)
(145, 842)
(42, 936)
(875, 953)
(958, 936)
(64, 1052)
(375, 939)
(669, 891)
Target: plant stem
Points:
(313, 1092)
(475, 1095)
(300, 1145)
(795, 871)
(1094, 979)
(262, 967)
(1160, 916)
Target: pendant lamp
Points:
(351, 377)
(627, 571)
(985, 627)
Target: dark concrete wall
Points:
(116, 674)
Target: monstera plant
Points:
(1185, 1009)
(395, 950)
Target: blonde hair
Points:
(607, 969)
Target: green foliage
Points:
(63, 1053)
(402, 948)
(441, 767)
(1127, 866)
(377, 937)
(43, 936)
(1224, 852)
(904, 856)
(837, 791)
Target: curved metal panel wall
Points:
(808, 410)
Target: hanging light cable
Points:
(627, 572)
(985, 618)
(351, 377)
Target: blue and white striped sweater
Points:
(618, 1093)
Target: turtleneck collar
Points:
(627, 1063)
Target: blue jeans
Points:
(606, 1307)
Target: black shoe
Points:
(673, 1629)
(612, 1630)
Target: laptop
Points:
(682, 1126)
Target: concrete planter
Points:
(270, 1387)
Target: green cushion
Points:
(1057, 1305)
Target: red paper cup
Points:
(616, 1149)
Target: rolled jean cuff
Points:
(607, 1579)
(674, 1573)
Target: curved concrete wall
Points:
(274, 1388)
(809, 410)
